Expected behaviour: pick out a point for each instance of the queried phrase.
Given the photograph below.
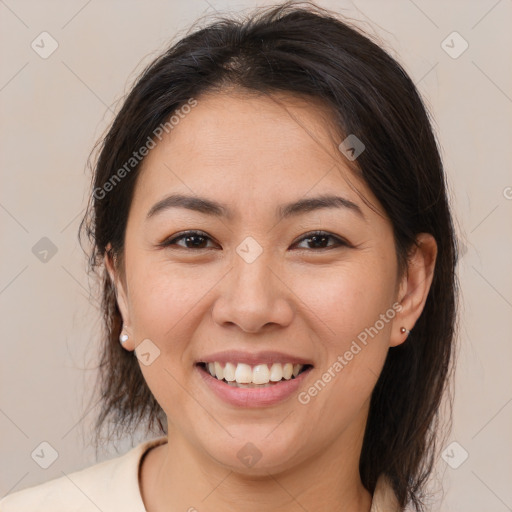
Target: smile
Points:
(253, 384)
(259, 375)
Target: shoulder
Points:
(384, 498)
(111, 485)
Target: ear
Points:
(414, 286)
(120, 290)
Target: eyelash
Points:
(339, 241)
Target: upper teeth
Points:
(260, 374)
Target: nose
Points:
(253, 296)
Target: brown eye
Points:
(316, 240)
(191, 239)
(319, 240)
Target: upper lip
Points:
(253, 358)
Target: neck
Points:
(176, 477)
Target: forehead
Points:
(247, 148)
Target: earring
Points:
(123, 338)
(403, 330)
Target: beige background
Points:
(54, 109)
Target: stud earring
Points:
(123, 338)
(403, 330)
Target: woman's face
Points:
(253, 287)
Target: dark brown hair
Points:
(306, 50)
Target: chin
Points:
(253, 452)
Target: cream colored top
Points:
(113, 486)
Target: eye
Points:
(199, 240)
(319, 238)
(195, 238)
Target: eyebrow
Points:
(284, 211)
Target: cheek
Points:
(354, 314)
(347, 299)
(165, 302)
(163, 298)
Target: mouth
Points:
(242, 375)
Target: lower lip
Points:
(253, 397)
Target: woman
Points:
(269, 208)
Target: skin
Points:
(254, 153)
